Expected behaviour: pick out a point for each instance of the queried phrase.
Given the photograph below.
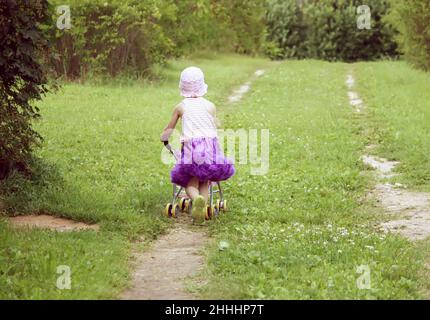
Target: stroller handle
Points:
(169, 147)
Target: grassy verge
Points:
(303, 230)
(100, 162)
(398, 102)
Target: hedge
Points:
(412, 18)
(328, 30)
(22, 79)
(131, 35)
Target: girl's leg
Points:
(204, 190)
(198, 209)
(192, 188)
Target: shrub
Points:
(412, 18)
(110, 37)
(22, 79)
(131, 35)
(328, 30)
(286, 29)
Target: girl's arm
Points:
(167, 132)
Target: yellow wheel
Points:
(224, 206)
(176, 210)
(168, 210)
(188, 205)
(218, 205)
(209, 212)
(182, 204)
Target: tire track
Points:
(408, 211)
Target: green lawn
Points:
(399, 106)
(301, 231)
(100, 163)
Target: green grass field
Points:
(399, 110)
(299, 232)
(302, 231)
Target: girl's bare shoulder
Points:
(179, 108)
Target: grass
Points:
(302, 230)
(29, 260)
(399, 106)
(100, 162)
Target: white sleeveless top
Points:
(197, 122)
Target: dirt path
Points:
(409, 212)
(161, 272)
(50, 222)
(239, 93)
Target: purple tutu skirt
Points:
(201, 158)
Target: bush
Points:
(110, 37)
(412, 18)
(22, 79)
(286, 29)
(328, 30)
(131, 35)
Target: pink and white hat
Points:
(192, 83)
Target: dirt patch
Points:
(383, 167)
(410, 210)
(161, 271)
(51, 223)
(239, 93)
(350, 81)
(353, 97)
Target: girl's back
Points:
(197, 119)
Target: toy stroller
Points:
(182, 203)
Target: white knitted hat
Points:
(192, 83)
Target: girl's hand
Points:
(166, 134)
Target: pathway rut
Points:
(409, 211)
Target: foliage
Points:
(328, 30)
(286, 29)
(22, 79)
(133, 35)
(412, 18)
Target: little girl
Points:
(201, 159)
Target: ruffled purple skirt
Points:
(201, 158)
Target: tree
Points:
(22, 79)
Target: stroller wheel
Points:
(188, 205)
(183, 204)
(208, 215)
(224, 206)
(211, 212)
(168, 210)
(176, 210)
(218, 205)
